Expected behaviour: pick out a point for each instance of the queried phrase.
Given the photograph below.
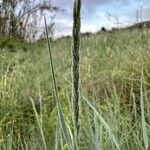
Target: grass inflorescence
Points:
(76, 70)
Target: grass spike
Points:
(76, 69)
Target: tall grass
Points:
(115, 115)
(108, 129)
(144, 126)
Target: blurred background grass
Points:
(112, 66)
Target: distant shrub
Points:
(11, 47)
(87, 34)
(103, 29)
(4, 43)
(114, 29)
(68, 37)
(8, 45)
(25, 49)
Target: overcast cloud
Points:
(95, 14)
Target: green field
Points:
(115, 92)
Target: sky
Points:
(98, 13)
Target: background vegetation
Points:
(115, 91)
(22, 18)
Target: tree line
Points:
(21, 18)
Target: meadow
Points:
(115, 92)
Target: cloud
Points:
(62, 3)
(94, 14)
(89, 4)
(146, 12)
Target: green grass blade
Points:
(106, 126)
(96, 126)
(39, 124)
(145, 137)
(66, 133)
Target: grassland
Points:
(115, 92)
